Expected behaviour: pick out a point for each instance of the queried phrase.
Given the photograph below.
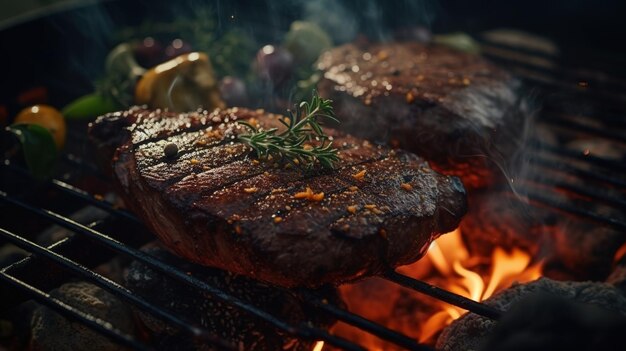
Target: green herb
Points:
(38, 146)
(292, 144)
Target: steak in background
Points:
(215, 204)
(463, 114)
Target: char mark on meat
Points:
(215, 204)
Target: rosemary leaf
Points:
(302, 126)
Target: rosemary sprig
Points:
(292, 144)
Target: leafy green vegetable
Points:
(121, 73)
(306, 41)
(89, 106)
(38, 146)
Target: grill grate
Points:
(32, 277)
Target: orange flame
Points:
(449, 265)
(318, 346)
(451, 259)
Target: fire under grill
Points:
(575, 182)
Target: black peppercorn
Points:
(170, 150)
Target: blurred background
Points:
(62, 44)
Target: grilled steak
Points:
(457, 110)
(216, 205)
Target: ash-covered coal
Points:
(224, 320)
(545, 315)
(51, 331)
(571, 248)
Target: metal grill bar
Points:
(550, 110)
(302, 331)
(579, 156)
(374, 328)
(444, 295)
(547, 66)
(584, 192)
(578, 127)
(341, 314)
(548, 74)
(454, 299)
(618, 74)
(541, 198)
(78, 162)
(114, 288)
(364, 324)
(74, 314)
(548, 164)
(79, 193)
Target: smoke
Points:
(334, 18)
(344, 20)
(86, 34)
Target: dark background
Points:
(64, 51)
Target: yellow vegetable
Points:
(47, 117)
(181, 84)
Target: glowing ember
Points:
(318, 346)
(621, 252)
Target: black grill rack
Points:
(589, 179)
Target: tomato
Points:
(47, 117)
(274, 64)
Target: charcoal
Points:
(545, 315)
(51, 331)
(222, 319)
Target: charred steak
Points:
(215, 204)
(460, 112)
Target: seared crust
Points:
(460, 112)
(216, 205)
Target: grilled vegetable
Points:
(233, 91)
(121, 74)
(38, 147)
(274, 64)
(149, 52)
(182, 84)
(47, 117)
(121, 62)
(176, 48)
(306, 41)
(90, 106)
